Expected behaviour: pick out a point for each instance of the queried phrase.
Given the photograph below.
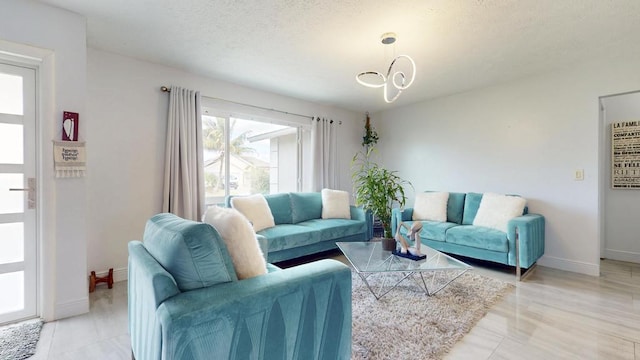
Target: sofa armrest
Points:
(399, 215)
(304, 310)
(358, 213)
(530, 231)
(149, 284)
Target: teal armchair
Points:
(195, 308)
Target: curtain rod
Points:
(166, 89)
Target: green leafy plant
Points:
(376, 188)
(370, 137)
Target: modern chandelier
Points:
(396, 78)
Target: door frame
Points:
(43, 61)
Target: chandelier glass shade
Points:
(394, 81)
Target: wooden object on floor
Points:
(93, 280)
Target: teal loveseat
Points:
(521, 246)
(185, 301)
(300, 229)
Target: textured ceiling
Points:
(312, 49)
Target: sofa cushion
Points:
(256, 209)
(471, 205)
(192, 252)
(287, 236)
(240, 239)
(478, 237)
(431, 206)
(431, 230)
(330, 229)
(305, 206)
(280, 205)
(455, 207)
(335, 204)
(496, 210)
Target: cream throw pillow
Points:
(496, 210)
(256, 209)
(431, 206)
(335, 204)
(242, 245)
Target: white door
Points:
(18, 254)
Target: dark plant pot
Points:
(388, 244)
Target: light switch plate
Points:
(579, 175)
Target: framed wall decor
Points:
(625, 155)
(70, 122)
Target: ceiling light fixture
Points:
(397, 78)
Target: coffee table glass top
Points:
(369, 257)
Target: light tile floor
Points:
(552, 315)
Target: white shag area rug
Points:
(408, 324)
(19, 341)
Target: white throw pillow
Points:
(256, 209)
(431, 206)
(335, 204)
(242, 245)
(496, 210)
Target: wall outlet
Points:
(579, 175)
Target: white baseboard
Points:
(72, 308)
(120, 274)
(570, 265)
(627, 256)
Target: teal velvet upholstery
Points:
(303, 312)
(192, 252)
(288, 235)
(300, 229)
(305, 206)
(459, 236)
(471, 206)
(478, 237)
(455, 207)
(280, 205)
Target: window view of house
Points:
(259, 157)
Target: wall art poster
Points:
(625, 155)
(70, 126)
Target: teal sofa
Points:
(185, 301)
(521, 246)
(300, 229)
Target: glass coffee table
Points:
(431, 274)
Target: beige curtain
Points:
(324, 154)
(184, 168)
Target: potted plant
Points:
(377, 189)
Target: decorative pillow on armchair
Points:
(240, 239)
(335, 204)
(496, 210)
(256, 209)
(431, 206)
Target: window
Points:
(245, 154)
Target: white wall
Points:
(621, 206)
(526, 137)
(57, 38)
(126, 133)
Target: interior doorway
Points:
(18, 183)
(619, 207)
